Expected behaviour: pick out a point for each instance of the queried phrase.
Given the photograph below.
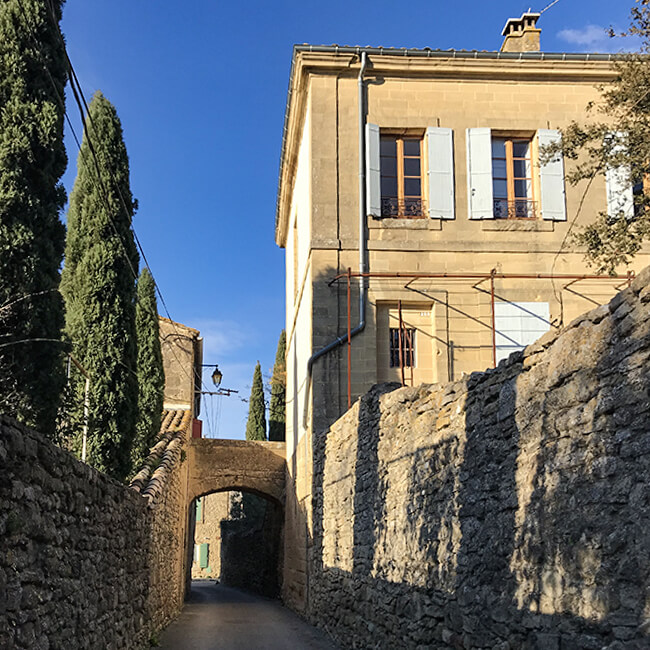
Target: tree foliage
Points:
(151, 374)
(98, 285)
(256, 423)
(32, 161)
(277, 408)
(617, 138)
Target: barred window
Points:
(408, 347)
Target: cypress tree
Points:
(32, 161)
(98, 285)
(256, 423)
(151, 375)
(277, 416)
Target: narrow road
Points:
(221, 618)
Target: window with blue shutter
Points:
(620, 188)
(440, 172)
(551, 179)
(479, 176)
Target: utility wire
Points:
(79, 100)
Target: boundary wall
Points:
(85, 561)
(508, 510)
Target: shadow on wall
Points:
(251, 547)
(508, 510)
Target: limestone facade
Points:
(459, 103)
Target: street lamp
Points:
(216, 376)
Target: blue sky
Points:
(200, 88)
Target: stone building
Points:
(422, 170)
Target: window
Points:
(401, 176)
(519, 324)
(402, 356)
(408, 175)
(507, 178)
(512, 178)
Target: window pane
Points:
(500, 189)
(522, 189)
(388, 166)
(499, 168)
(498, 148)
(520, 148)
(521, 168)
(388, 147)
(411, 166)
(389, 186)
(411, 147)
(412, 187)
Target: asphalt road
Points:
(221, 618)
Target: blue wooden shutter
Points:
(440, 148)
(551, 179)
(373, 173)
(479, 173)
(620, 193)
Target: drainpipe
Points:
(362, 241)
(362, 232)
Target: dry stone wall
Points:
(85, 562)
(510, 510)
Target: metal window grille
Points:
(407, 347)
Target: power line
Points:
(79, 100)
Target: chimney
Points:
(521, 34)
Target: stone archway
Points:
(220, 465)
(258, 468)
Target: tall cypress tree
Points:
(256, 423)
(32, 160)
(98, 285)
(277, 409)
(151, 375)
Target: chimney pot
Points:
(521, 34)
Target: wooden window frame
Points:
(514, 203)
(401, 197)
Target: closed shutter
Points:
(440, 147)
(620, 193)
(373, 173)
(203, 555)
(519, 324)
(551, 179)
(479, 173)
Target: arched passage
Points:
(245, 545)
(243, 465)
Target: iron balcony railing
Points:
(517, 209)
(410, 208)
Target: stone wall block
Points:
(75, 552)
(508, 510)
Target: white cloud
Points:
(595, 38)
(221, 338)
(589, 35)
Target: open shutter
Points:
(440, 147)
(620, 193)
(373, 174)
(479, 173)
(551, 179)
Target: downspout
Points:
(362, 237)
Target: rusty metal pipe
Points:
(494, 324)
(349, 343)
